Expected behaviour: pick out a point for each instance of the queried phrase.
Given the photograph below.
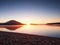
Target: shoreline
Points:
(9, 38)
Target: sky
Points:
(30, 11)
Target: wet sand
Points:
(9, 38)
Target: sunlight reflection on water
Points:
(52, 31)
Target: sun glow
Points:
(28, 23)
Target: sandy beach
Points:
(9, 38)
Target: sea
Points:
(42, 30)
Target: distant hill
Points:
(11, 22)
(56, 23)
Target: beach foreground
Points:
(9, 38)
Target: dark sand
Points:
(9, 38)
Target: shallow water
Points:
(45, 30)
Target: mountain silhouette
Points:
(56, 23)
(11, 22)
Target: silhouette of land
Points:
(9, 38)
(54, 24)
(11, 22)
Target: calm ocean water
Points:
(44, 30)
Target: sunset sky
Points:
(33, 11)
